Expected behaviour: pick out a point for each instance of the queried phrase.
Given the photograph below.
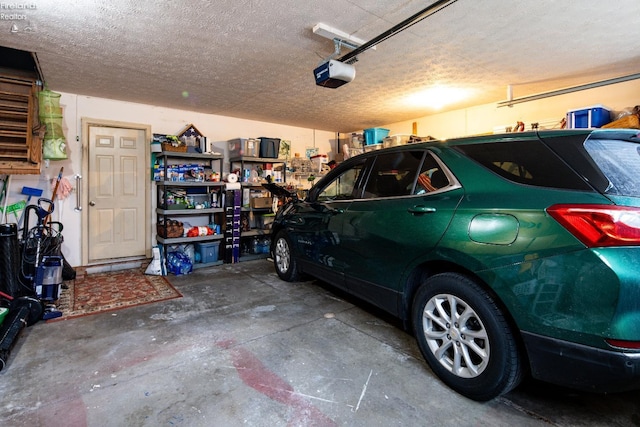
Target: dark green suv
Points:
(507, 255)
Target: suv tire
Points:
(285, 263)
(465, 338)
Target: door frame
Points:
(148, 232)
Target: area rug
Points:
(100, 292)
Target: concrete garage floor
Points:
(245, 348)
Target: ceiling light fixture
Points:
(437, 97)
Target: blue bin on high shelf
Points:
(588, 117)
(375, 135)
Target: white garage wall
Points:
(218, 129)
(484, 118)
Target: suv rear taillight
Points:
(600, 225)
(628, 345)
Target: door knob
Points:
(92, 203)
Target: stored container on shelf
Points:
(588, 117)
(356, 140)
(269, 147)
(375, 135)
(394, 140)
(261, 202)
(318, 160)
(207, 252)
(372, 147)
(249, 147)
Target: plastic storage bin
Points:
(588, 117)
(208, 251)
(269, 147)
(394, 140)
(372, 147)
(375, 135)
(239, 147)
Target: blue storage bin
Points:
(588, 117)
(208, 251)
(375, 135)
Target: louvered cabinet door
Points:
(20, 149)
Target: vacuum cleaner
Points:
(17, 311)
(31, 283)
(21, 312)
(41, 259)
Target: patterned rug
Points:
(100, 292)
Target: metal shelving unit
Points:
(198, 188)
(247, 162)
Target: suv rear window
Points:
(620, 162)
(525, 162)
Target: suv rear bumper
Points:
(581, 367)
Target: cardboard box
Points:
(261, 202)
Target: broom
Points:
(14, 208)
(68, 272)
(53, 196)
(29, 192)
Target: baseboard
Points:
(106, 267)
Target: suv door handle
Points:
(421, 209)
(294, 221)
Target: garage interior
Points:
(240, 346)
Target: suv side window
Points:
(342, 187)
(525, 162)
(431, 177)
(393, 174)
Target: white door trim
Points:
(86, 124)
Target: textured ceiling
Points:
(254, 59)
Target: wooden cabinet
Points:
(20, 133)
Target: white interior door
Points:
(116, 193)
